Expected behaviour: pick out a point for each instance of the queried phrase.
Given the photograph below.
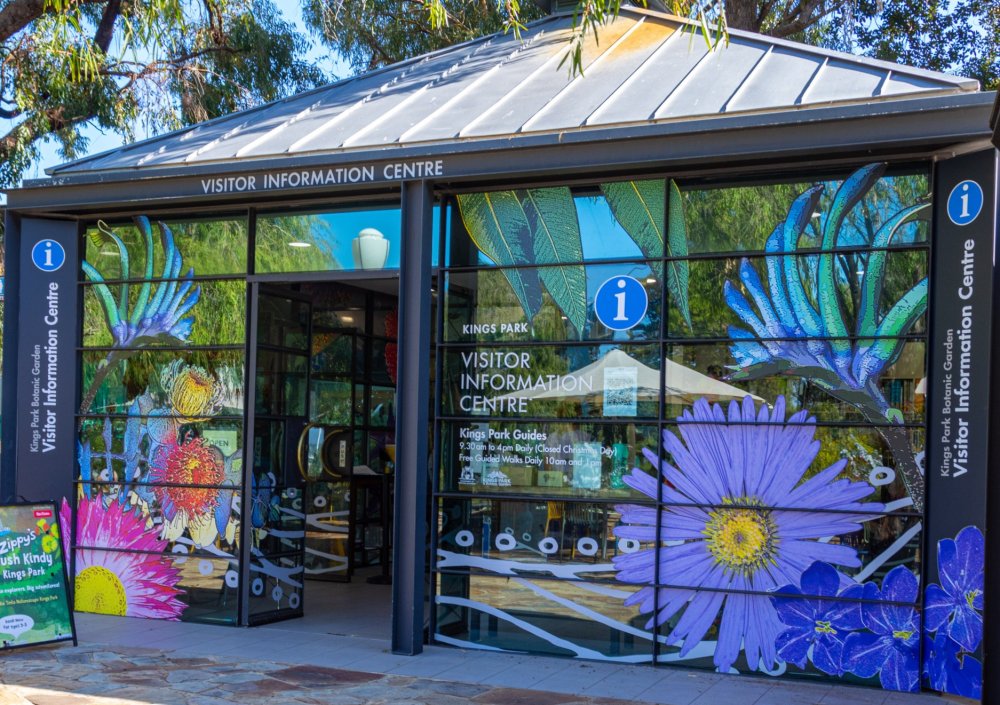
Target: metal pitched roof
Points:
(645, 67)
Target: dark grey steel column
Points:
(8, 405)
(412, 407)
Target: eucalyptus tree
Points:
(121, 65)
(960, 36)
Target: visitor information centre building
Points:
(683, 360)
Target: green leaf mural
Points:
(498, 226)
(555, 238)
(677, 246)
(532, 226)
(639, 207)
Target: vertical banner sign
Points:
(34, 600)
(958, 418)
(46, 384)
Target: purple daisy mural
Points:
(724, 539)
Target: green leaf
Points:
(639, 208)
(104, 294)
(555, 239)
(871, 285)
(102, 235)
(851, 191)
(677, 246)
(498, 226)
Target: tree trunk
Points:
(743, 14)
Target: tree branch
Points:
(804, 17)
(106, 30)
(18, 14)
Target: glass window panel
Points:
(151, 450)
(623, 220)
(761, 613)
(337, 240)
(383, 407)
(577, 381)
(194, 383)
(330, 402)
(327, 536)
(217, 318)
(384, 356)
(711, 371)
(548, 460)
(186, 519)
(565, 539)
(887, 461)
(381, 450)
(557, 617)
(483, 306)
(207, 246)
(715, 314)
(276, 518)
(741, 218)
(283, 322)
(191, 589)
(281, 383)
(757, 543)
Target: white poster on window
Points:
(620, 391)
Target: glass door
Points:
(282, 341)
(326, 453)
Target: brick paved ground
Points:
(127, 662)
(90, 675)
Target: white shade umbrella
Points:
(683, 385)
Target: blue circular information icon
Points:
(48, 255)
(620, 303)
(965, 202)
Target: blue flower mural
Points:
(950, 670)
(953, 619)
(799, 324)
(890, 647)
(725, 540)
(818, 624)
(953, 608)
(159, 313)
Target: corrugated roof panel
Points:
(332, 103)
(778, 80)
(582, 97)
(446, 86)
(644, 91)
(534, 93)
(492, 86)
(838, 80)
(714, 81)
(399, 87)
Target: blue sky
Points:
(100, 142)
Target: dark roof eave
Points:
(967, 119)
(995, 122)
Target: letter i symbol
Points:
(620, 297)
(48, 254)
(965, 200)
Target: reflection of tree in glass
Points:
(273, 253)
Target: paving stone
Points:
(463, 690)
(321, 676)
(517, 696)
(334, 699)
